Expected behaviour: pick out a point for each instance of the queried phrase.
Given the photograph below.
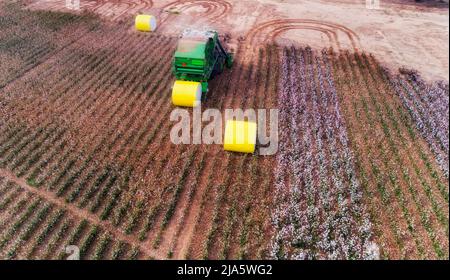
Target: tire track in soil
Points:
(215, 10)
(271, 29)
(332, 36)
(81, 214)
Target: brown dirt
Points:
(400, 32)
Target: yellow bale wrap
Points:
(187, 94)
(240, 136)
(145, 23)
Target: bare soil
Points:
(399, 32)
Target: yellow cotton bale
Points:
(145, 23)
(186, 94)
(240, 136)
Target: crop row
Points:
(39, 229)
(392, 168)
(123, 152)
(428, 107)
(30, 38)
(319, 212)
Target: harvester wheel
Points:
(218, 68)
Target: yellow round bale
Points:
(145, 23)
(240, 136)
(186, 94)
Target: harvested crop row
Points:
(38, 228)
(39, 38)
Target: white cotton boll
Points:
(372, 252)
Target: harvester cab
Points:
(198, 58)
